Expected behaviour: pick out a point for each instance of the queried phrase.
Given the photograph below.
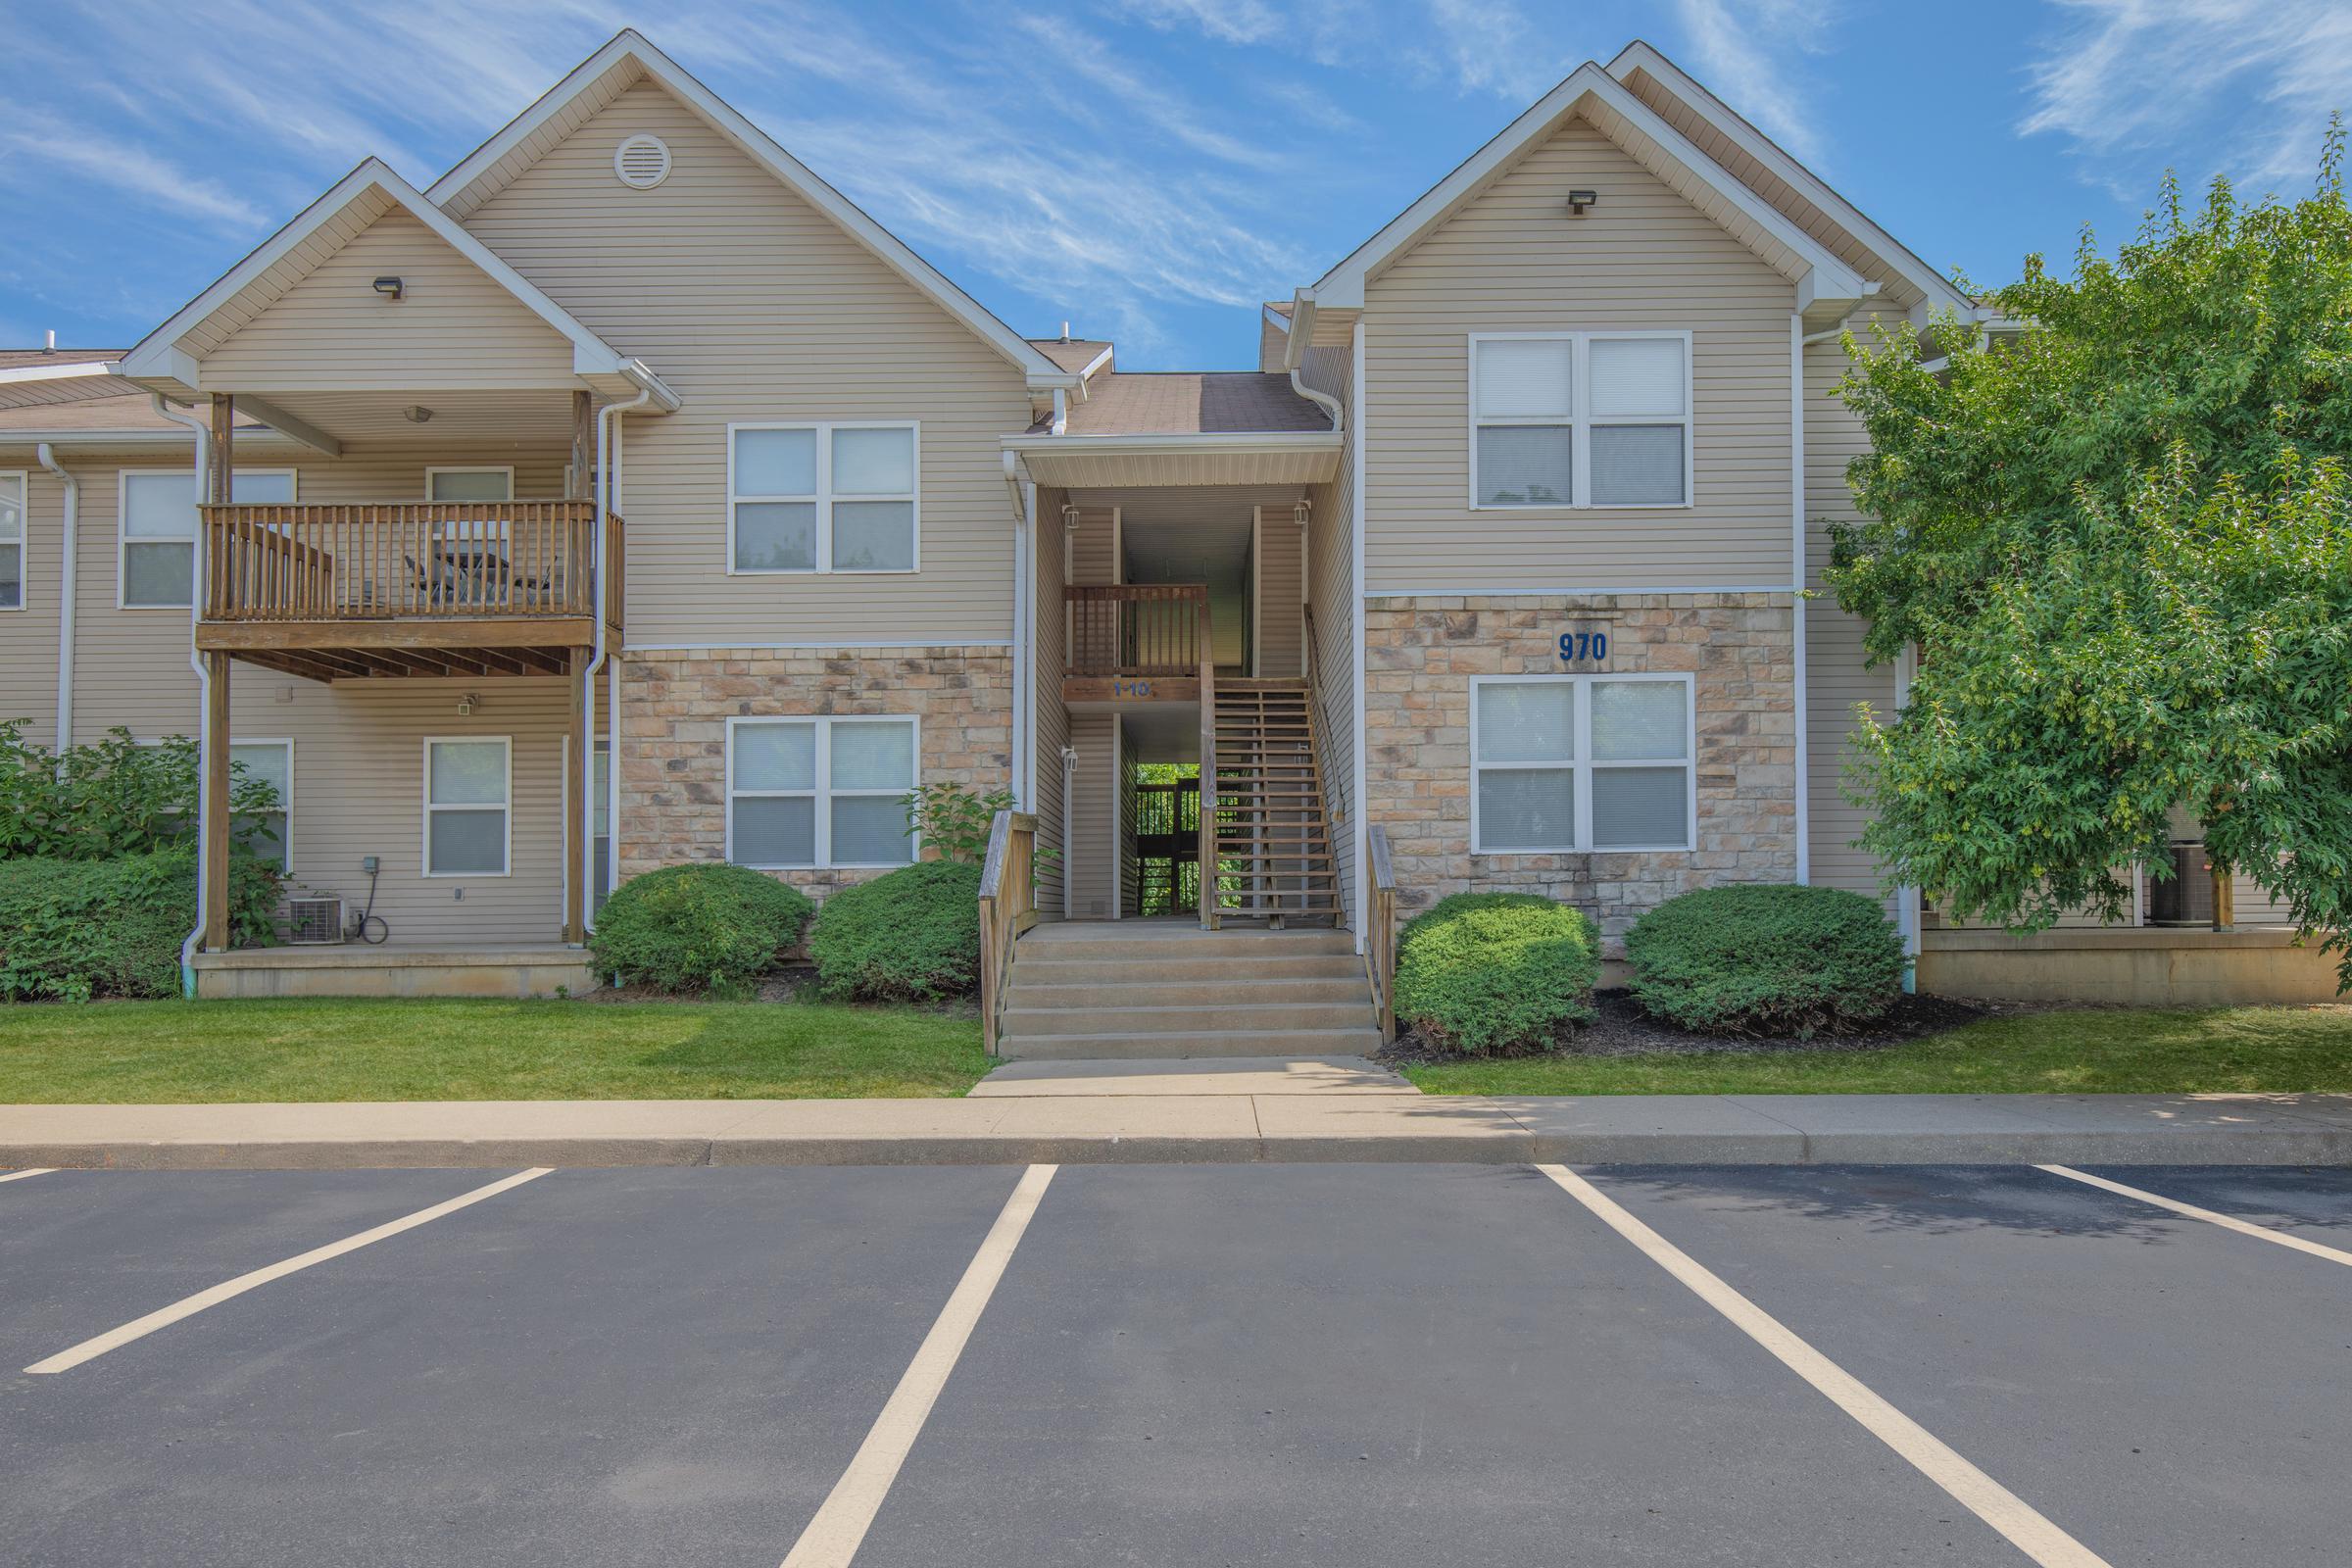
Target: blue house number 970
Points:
(1578, 646)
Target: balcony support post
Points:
(578, 807)
(220, 479)
(212, 780)
(576, 473)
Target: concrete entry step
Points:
(1218, 1018)
(1190, 1076)
(1061, 971)
(1203, 1043)
(1027, 992)
(1172, 941)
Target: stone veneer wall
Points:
(673, 731)
(1421, 653)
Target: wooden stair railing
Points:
(1138, 629)
(1380, 931)
(1272, 844)
(1008, 908)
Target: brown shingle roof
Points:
(129, 411)
(15, 359)
(1072, 354)
(1193, 403)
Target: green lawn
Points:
(181, 1051)
(2235, 1049)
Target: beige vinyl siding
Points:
(29, 636)
(1835, 677)
(1272, 343)
(1281, 654)
(1511, 260)
(452, 327)
(756, 308)
(1331, 594)
(1094, 816)
(1053, 725)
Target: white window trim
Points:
(1584, 764)
(24, 479)
(123, 541)
(823, 773)
(823, 498)
(424, 820)
(1581, 420)
(432, 468)
(286, 805)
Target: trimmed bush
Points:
(1495, 973)
(70, 930)
(1766, 960)
(702, 927)
(912, 936)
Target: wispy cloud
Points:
(2261, 74)
(1228, 20)
(1750, 52)
(1495, 46)
(130, 170)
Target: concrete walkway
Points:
(1199, 1112)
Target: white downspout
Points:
(1025, 681)
(205, 805)
(46, 456)
(605, 453)
(1796, 599)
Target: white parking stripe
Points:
(2227, 1221)
(839, 1529)
(2025, 1528)
(19, 1175)
(189, 1307)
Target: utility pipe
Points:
(46, 456)
(606, 453)
(205, 805)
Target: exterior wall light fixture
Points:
(389, 287)
(1578, 201)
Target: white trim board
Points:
(810, 648)
(1583, 591)
(484, 171)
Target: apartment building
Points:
(628, 496)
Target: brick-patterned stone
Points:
(673, 728)
(1421, 653)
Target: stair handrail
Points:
(1208, 852)
(1380, 932)
(1329, 777)
(1008, 908)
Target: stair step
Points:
(1176, 943)
(1184, 1020)
(1204, 994)
(1212, 1043)
(1111, 972)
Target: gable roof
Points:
(1640, 59)
(1827, 286)
(319, 231)
(629, 57)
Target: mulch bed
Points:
(1622, 1029)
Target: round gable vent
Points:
(642, 162)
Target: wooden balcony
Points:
(406, 588)
(1136, 642)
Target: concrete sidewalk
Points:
(1367, 1122)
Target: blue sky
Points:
(1144, 169)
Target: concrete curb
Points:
(1789, 1130)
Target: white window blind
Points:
(819, 791)
(823, 498)
(1568, 763)
(1579, 420)
(12, 541)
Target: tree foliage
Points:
(2123, 547)
(116, 797)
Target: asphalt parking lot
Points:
(1361, 1365)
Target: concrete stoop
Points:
(1111, 990)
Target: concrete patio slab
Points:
(1196, 1075)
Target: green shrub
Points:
(912, 936)
(115, 797)
(1766, 960)
(702, 927)
(70, 930)
(1492, 973)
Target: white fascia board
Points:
(73, 371)
(630, 46)
(1940, 291)
(1343, 287)
(157, 354)
(1300, 336)
(1184, 443)
(143, 436)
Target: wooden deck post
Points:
(584, 446)
(213, 781)
(576, 802)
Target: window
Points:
(270, 836)
(1563, 763)
(1579, 420)
(469, 484)
(822, 497)
(12, 541)
(819, 791)
(156, 568)
(466, 791)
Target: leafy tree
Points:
(2123, 545)
(115, 797)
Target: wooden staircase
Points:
(1274, 854)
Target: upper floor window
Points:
(155, 564)
(1579, 420)
(1566, 764)
(832, 497)
(12, 541)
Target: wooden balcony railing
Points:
(420, 559)
(1138, 629)
(1008, 908)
